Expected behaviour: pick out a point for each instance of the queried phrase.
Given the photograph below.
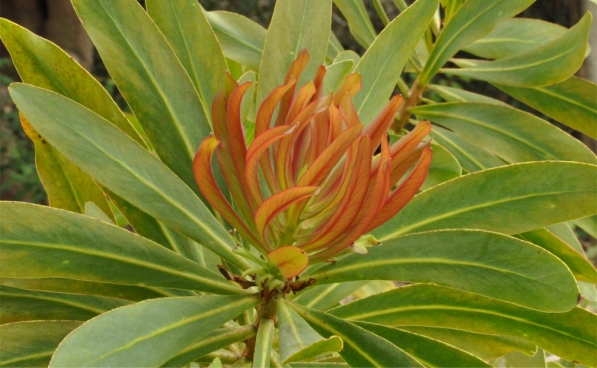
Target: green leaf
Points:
(452, 94)
(298, 341)
(67, 245)
(444, 166)
(263, 343)
(588, 224)
(67, 186)
(326, 296)
(475, 261)
(176, 323)
(348, 55)
(429, 352)
(361, 347)
(29, 305)
(516, 359)
(515, 36)
(383, 62)
(152, 229)
(121, 165)
(335, 75)
(484, 346)
(359, 24)
(295, 25)
(473, 20)
(507, 132)
(92, 210)
(150, 78)
(188, 32)
(134, 293)
(551, 63)
(43, 64)
(509, 199)
(570, 102)
(31, 344)
(241, 38)
(569, 335)
(578, 264)
(213, 341)
(334, 48)
(471, 156)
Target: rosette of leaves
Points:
(133, 265)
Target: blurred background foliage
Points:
(56, 21)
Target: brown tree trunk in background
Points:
(55, 20)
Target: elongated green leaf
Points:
(176, 323)
(484, 346)
(507, 132)
(444, 167)
(514, 36)
(298, 341)
(564, 232)
(326, 296)
(569, 335)
(188, 32)
(155, 230)
(430, 352)
(67, 245)
(54, 284)
(241, 38)
(295, 25)
(361, 347)
(213, 341)
(510, 199)
(472, 157)
(263, 343)
(358, 20)
(451, 94)
(122, 166)
(43, 64)
(31, 344)
(544, 65)
(570, 102)
(383, 62)
(151, 79)
(335, 75)
(473, 20)
(578, 264)
(19, 305)
(476, 261)
(67, 186)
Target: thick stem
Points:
(412, 100)
(266, 310)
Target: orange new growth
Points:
(311, 178)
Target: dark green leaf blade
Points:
(31, 344)
(67, 245)
(569, 335)
(430, 352)
(361, 347)
(151, 79)
(122, 166)
(176, 323)
(18, 305)
(473, 20)
(509, 199)
(383, 62)
(489, 264)
(544, 65)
